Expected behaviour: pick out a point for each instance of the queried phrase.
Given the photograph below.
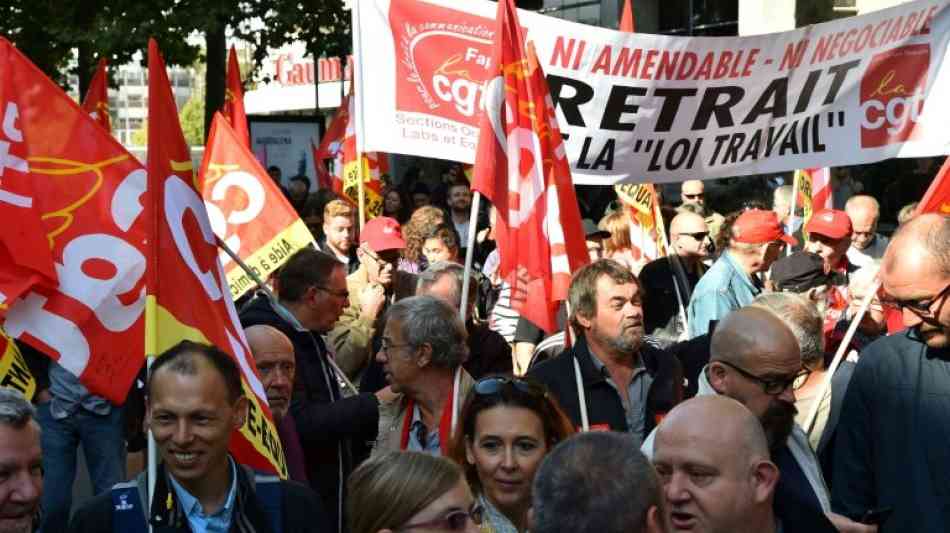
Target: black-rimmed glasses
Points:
(331, 292)
(774, 386)
(920, 307)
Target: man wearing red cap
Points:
(372, 287)
(756, 239)
(829, 236)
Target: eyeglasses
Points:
(385, 347)
(331, 292)
(699, 235)
(920, 307)
(393, 259)
(453, 521)
(494, 385)
(774, 386)
(693, 196)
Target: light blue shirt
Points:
(724, 288)
(219, 522)
(431, 445)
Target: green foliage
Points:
(192, 119)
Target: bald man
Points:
(866, 244)
(721, 440)
(755, 359)
(891, 448)
(274, 356)
(694, 192)
(668, 282)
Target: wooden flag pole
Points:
(469, 253)
(361, 194)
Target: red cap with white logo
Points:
(381, 234)
(831, 223)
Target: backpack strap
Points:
(128, 514)
(268, 491)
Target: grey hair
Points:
(801, 316)
(434, 273)
(429, 320)
(15, 410)
(595, 482)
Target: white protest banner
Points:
(638, 107)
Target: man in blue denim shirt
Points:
(755, 242)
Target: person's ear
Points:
(147, 420)
(764, 478)
(240, 412)
(529, 520)
(716, 373)
(425, 355)
(585, 322)
(469, 453)
(655, 521)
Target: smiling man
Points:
(195, 403)
(891, 449)
(21, 465)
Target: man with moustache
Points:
(274, 357)
(21, 462)
(610, 379)
(895, 422)
(195, 404)
(756, 360)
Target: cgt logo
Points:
(892, 95)
(443, 59)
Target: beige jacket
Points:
(352, 335)
(392, 417)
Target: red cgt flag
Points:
(72, 249)
(234, 100)
(522, 168)
(97, 97)
(331, 147)
(626, 19)
(188, 295)
(937, 197)
(247, 210)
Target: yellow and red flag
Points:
(522, 168)
(187, 288)
(96, 102)
(14, 372)
(234, 100)
(73, 246)
(247, 210)
(814, 190)
(339, 144)
(641, 203)
(937, 197)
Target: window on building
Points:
(711, 18)
(583, 11)
(135, 100)
(134, 124)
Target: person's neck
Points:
(336, 251)
(748, 264)
(298, 310)
(211, 490)
(689, 261)
(432, 396)
(613, 360)
(460, 217)
(814, 381)
(765, 522)
(517, 514)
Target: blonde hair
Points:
(337, 208)
(618, 225)
(386, 492)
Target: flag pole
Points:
(791, 210)
(839, 355)
(469, 253)
(273, 298)
(361, 194)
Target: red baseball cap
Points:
(831, 223)
(757, 226)
(381, 234)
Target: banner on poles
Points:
(187, 287)
(246, 209)
(639, 107)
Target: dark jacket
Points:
(604, 406)
(661, 305)
(826, 445)
(891, 445)
(354, 262)
(331, 428)
(301, 510)
(488, 353)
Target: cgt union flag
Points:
(522, 168)
(97, 97)
(937, 197)
(188, 296)
(234, 100)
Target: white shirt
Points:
(873, 252)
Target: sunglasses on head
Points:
(494, 385)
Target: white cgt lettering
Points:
(180, 198)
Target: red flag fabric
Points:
(523, 169)
(331, 147)
(626, 18)
(247, 210)
(96, 102)
(234, 100)
(324, 178)
(187, 287)
(937, 197)
(72, 249)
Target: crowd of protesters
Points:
(691, 392)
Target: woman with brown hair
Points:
(506, 428)
(403, 491)
(619, 245)
(415, 232)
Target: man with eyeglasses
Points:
(375, 285)
(668, 282)
(755, 359)
(311, 295)
(895, 422)
(755, 242)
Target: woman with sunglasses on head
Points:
(410, 491)
(506, 428)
